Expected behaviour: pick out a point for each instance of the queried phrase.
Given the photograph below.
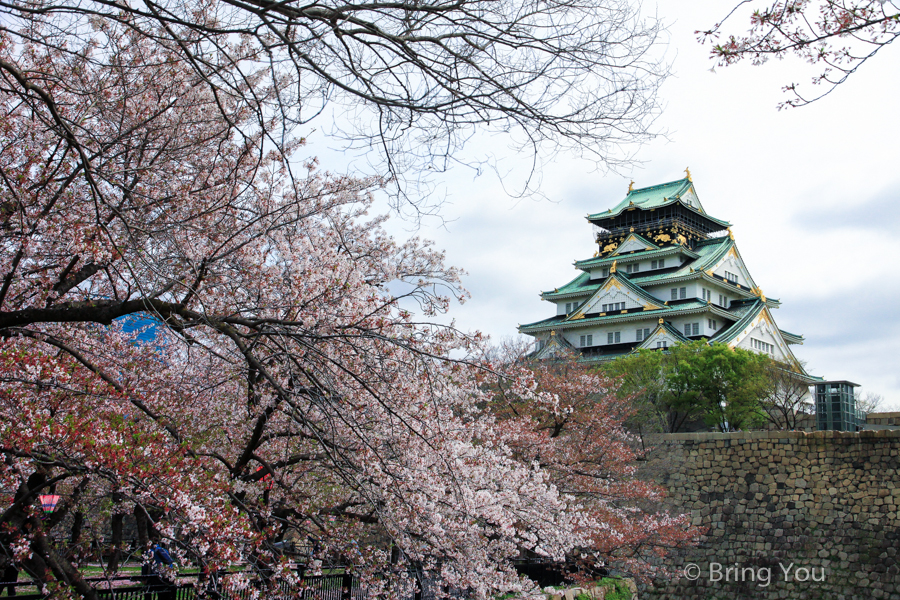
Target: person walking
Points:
(162, 572)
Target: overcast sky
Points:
(812, 194)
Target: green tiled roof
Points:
(581, 284)
(668, 328)
(667, 312)
(708, 253)
(591, 263)
(640, 293)
(674, 332)
(657, 196)
(649, 197)
(604, 357)
(791, 338)
(750, 311)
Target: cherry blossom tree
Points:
(284, 389)
(837, 35)
(571, 423)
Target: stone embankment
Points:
(787, 514)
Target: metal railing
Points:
(338, 586)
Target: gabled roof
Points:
(681, 191)
(618, 281)
(748, 311)
(753, 309)
(635, 241)
(706, 253)
(654, 196)
(662, 329)
(556, 346)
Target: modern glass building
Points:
(836, 406)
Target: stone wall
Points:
(888, 419)
(787, 514)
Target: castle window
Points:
(762, 346)
(691, 329)
(587, 340)
(723, 301)
(731, 277)
(633, 268)
(682, 293)
(614, 337)
(713, 324)
(642, 334)
(674, 293)
(663, 344)
(658, 264)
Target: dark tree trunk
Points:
(141, 520)
(77, 527)
(116, 553)
(62, 569)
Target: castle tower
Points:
(665, 272)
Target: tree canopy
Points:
(148, 172)
(839, 36)
(408, 81)
(693, 381)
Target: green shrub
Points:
(618, 590)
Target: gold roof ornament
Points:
(687, 171)
(660, 321)
(552, 332)
(730, 234)
(631, 186)
(612, 269)
(632, 230)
